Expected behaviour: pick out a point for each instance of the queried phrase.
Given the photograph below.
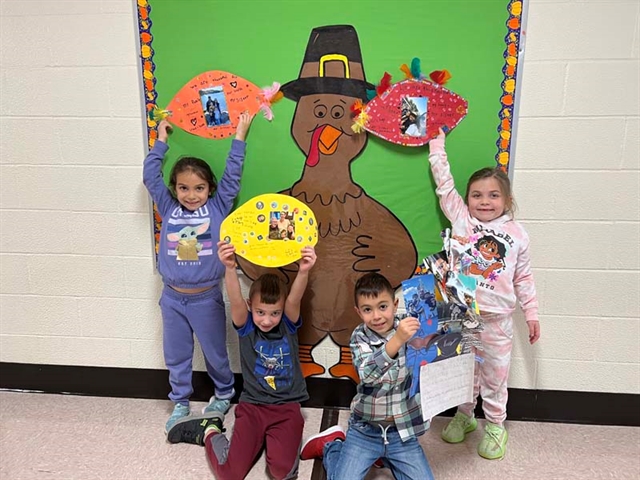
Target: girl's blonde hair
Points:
(503, 181)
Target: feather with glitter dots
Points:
(210, 104)
(411, 112)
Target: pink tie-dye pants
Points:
(490, 376)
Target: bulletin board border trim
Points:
(150, 95)
(510, 90)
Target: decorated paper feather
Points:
(210, 104)
(271, 229)
(412, 111)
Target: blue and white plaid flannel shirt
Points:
(383, 391)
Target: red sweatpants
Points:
(277, 428)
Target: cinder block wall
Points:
(77, 285)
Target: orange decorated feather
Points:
(193, 108)
(440, 76)
(357, 107)
(406, 70)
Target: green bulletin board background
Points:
(265, 42)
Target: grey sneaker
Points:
(458, 427)
(216, 405)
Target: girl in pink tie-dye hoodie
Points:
(503, 270)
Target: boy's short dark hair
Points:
(371, 285)
(269, 287)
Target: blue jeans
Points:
(365, 443)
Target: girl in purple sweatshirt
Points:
(192, 209)
(503, 270)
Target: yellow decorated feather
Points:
(360, 122)
(271, 229)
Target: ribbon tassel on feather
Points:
(270, 95)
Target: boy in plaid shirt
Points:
(385, 421)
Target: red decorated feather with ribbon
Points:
(412, 111)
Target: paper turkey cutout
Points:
(410, 112)
(210, 104)
(270, 230)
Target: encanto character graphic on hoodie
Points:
(489, 258)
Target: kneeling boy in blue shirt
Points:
(268, 415)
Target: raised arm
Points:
(451, 203)
(229, 185)
(292, 305)
(226, 254)
(152, 171)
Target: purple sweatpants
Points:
(202, 314)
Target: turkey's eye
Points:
(320, 111)
(337, 112)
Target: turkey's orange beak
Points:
(324, 140)
(328, 141)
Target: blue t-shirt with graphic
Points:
(270, 363)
